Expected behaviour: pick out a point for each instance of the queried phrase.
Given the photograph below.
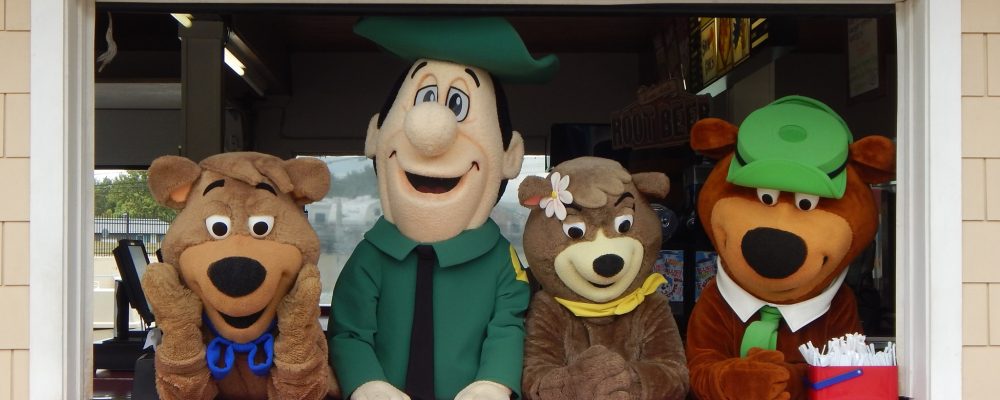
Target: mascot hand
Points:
(299, 310)
(174, 305)
(599, 373)
(484, 390)
(760, 376)
(378, 390)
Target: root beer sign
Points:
(661, 117)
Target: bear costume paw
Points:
(762, 375)
(597, 373)
(179, 315)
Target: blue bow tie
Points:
(225, 349)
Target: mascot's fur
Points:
(833, 234)
(597, 255)
(240, 255)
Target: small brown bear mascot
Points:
(787, 207)
(598, 329)
(237, 297)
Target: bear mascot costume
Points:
(237, 296)
(787, 207)
(598, 329)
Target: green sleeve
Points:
(353, 323)
(503, 350)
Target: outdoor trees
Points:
(128, 194)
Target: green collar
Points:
(467, 246)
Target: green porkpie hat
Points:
(490, 43)
(795, 144)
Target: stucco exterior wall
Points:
(981, 197)
(14, 62)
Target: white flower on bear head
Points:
(555, 203)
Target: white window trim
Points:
(929, 244)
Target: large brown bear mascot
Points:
(599, 329)
(237, 296)
(788, 206)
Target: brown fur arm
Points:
(662, 368)
(717, 371)
(553, 374)
(181, 372)
(544, 351)
(300, 350)
(184, 379)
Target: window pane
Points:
(509, 213)
(341, 219)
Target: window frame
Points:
(929, 249)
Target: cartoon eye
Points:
(426, 94)
(218, 226)
(575, 230)
(260, 225)
(768, 196)
(458, 102)
(806, 202)
(623, 223)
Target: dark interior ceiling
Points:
(149, 48)
(323, 33)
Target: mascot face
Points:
(780, 246)
(607, 242)
(241, 237)
(439, 153)
(784, 246)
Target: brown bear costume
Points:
(781, 248)
(239, 279)
(596, 330)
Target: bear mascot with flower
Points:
(599, 328)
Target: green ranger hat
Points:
(490, 43)
(795, 144)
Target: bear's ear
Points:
(532, 190)
(652, 184)
(713, 137)
(874, 159)
(310, 179)
(170, 180)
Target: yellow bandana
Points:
(621, 306)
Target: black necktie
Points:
(420, 368)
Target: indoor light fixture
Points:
(234, 62)
(183, 19)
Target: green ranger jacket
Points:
(480, 298)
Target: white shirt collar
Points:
(796, 315)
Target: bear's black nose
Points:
(773, 253)
(237, 276)
(608, 265)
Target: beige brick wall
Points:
(981, 198)
(14, 150)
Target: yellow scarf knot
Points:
(622, 306)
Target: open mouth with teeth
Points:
(242, 322)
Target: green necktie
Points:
(763, 333)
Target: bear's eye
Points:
(768, 196)
(575, 230)
(260, 225)
(426, 94)
(806, 202)
(623, 223)
(218, 226)
(458, 102)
